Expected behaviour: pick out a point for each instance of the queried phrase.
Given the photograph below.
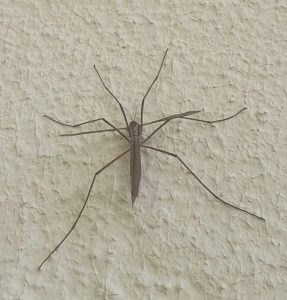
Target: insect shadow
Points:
(132, 133)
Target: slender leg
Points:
(93, 131)
(86, 200)
(156, 130)
(215, 121)
(175, 116)
(87, 132)
(142, 105)
(184, 117)
(76, 125)
(168, 118)
(121, 107)
(195, 176)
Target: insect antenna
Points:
(129, 113)
(115, 98)
(136, 112)
(155, 79)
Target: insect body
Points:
(135, 160)
(132, 132)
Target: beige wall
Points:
(177, 242)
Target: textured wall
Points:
(177, 242)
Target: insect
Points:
(132, 132)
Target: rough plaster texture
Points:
(177, 242)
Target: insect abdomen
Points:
(135, 162)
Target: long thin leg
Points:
(121, 107)
(88, 195)
(87, 132)
(76, 125)
(176, 116)
(142, 105)
(195, 176)
(156, 130)
(167, 120)
(184, 117)
(215, 121)
(180, 116)
(92, 131)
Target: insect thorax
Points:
(135, 128)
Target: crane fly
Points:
(132, 133)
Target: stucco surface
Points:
(177, 242)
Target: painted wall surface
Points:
(178, 241)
